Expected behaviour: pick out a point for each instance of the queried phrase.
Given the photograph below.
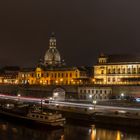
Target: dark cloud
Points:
(83, 28)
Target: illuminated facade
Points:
(117, 70)
(9, 75)
(94, 92)
(53, 71)
(53, 76)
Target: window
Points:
(128, 70)
(119, 71)
(102, 71)
(47, 74)
(66, 82)
(113, 79)
(123, 70)
(134, 70)
(22, 75)
(114, 71)
(108, 79)
(109, 71)
(138, 70)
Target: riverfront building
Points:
(53, 76)
(94, 92)
(9, 75)
(117, 70)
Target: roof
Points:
(123, 58)
(64, 68)
(27, 69)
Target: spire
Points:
(52, 41)
(53, 34)
(102, 54)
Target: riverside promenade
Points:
(105, 113)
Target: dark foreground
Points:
(72, 131)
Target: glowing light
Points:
(90, 96)
(18, 95)
(94, 102)
(118, 136)
(56, 94)
(93, 134)
(122, 95)
(61, 80)
(90, 108)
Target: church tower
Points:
(52, 56)
(102, 59)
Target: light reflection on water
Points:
(10, 131)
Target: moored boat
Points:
(50, 119)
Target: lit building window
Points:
(102, 71)
(119, 71)
(128, 70)
(108, 79)
(70, 74)
(113, 79)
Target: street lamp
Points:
(19, 97)
(94, 103)
(90, 96)
(122, 95)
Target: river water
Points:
(16, 131)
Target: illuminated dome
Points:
(52, 56)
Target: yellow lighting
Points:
(93, 134)
(118, 136)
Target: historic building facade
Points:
(9, 75)
(117, 70)
(53, 76)
(94, 92)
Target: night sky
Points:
(83, 29)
